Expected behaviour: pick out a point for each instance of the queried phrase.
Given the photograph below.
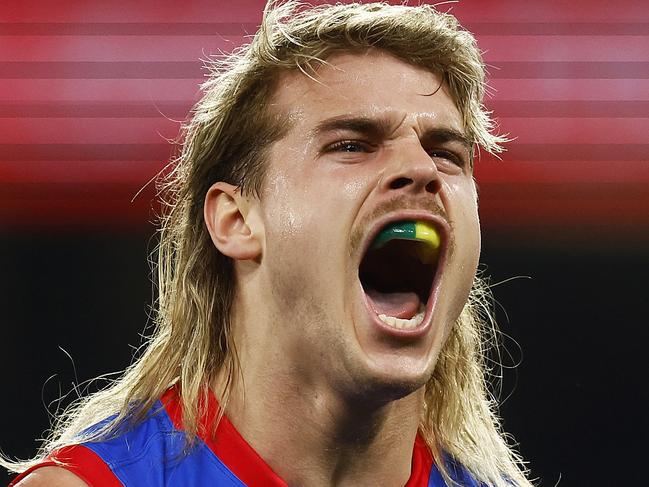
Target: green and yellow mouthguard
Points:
(411, 230)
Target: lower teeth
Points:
(402, 324)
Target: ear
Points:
(228, 218)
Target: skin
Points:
(47, 476)
(326, 396)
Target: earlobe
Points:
(227, 216)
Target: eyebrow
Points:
(363, 125)
(380, 127)
(443, 135)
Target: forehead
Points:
(372, 83)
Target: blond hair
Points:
(226, 140)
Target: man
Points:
(318, 314)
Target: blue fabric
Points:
(457, 473)
(152, 455)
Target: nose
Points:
(412, 170)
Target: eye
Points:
(448, 156)
(349, 146)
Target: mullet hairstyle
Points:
(226, 139)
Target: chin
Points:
(389, 378)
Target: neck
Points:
(313, 419)
(310, 435)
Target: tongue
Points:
(399, 305)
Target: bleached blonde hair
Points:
(226, 139)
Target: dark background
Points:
(88, 88)
(577, 323)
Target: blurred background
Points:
(90, 93)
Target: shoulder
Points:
(110, 460)
(47, 476)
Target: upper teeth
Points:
(402, 324)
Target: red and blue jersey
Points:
(153, 454)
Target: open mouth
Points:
(398, 271)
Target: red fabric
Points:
(422, 463)
(82, 462)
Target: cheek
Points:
(467, 228)
(465, 210)
(472, 238)
(286, 211)
(309, 207)
(354, 189)
(295, 240)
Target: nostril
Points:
(400, 183)
(433, 187)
